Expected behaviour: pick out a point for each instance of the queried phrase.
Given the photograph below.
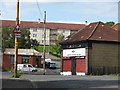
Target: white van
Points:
(26, 67)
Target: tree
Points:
(24, 42)
(111, 23)
(7, 37)
(57, 47)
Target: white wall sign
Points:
(74, 52)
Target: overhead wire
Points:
(40, 12)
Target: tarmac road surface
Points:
(72, 82)
(39, 81)
(16, 83)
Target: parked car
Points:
(48, 60)
(51, 65)
(26, 67)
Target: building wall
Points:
(51, 34)
(19, 59)
(38, 34)
(65, 32)
(81, 65)
(103, 58)
(1, 56)
(8, 65)
(67, 65)
(0, 41)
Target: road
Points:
(39, 81)
(58, 81)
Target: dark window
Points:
(35, 30)
(12, 59)
(29, 66)
(34, 35)
(25, 60)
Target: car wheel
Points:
(33, 71)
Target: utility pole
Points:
(44, 42)
(17, 31)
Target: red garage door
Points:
(80, 65)
(67, 65)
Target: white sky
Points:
(62, 10)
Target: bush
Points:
(19, 73)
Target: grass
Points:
(40, 48)
(49, 49)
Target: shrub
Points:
(19, 73)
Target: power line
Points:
(39, 9)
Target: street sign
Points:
(17, 35)
(17, 31)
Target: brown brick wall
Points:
(6, 62)
(19, 59)
(103, 55)
(31, 60)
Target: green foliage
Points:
(40, 48)
(19, 73)
(57, 47)
(111, 23)
(53, 49)
(8, 37)
(24, 42)
(59, 39)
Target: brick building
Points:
(93, 50)
(25, 56)
(53, 29)
(116, 26)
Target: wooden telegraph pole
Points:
(44, 42)
(17, 35)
